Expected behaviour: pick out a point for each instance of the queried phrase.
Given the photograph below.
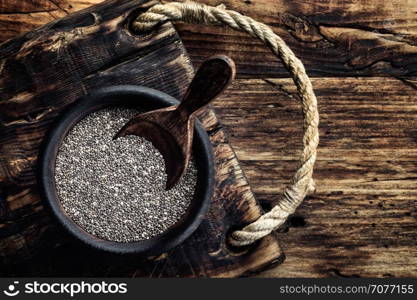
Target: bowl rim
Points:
(125, 95)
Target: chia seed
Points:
(115, 189)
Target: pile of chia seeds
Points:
(115, 189)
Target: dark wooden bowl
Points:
(133, 97)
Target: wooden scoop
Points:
(171, 129)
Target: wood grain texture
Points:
(333, 38)
(363, 220)
(48, 69)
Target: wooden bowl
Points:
(133, 97)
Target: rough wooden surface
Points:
(363, 219)
(45, 71)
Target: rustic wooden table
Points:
(362, 57)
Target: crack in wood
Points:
(392, 179)
(384, 34)
(26, 12)
(407, 82)
(280, 88)
(56, 3)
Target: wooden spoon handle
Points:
(211, 79)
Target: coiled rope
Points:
(302, 182)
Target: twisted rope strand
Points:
(302, 182)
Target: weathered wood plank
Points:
(333, 38)
(362, 220)
(366, 159)
(46, 70)
(17, 17)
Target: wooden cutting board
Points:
(43, 72)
